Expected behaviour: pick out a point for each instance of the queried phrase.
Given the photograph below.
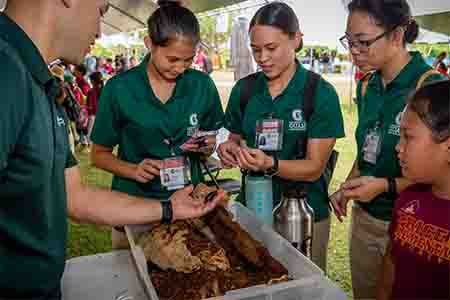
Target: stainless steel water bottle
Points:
(294, 220)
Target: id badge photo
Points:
(372, 145)
(269, 135)
(175, 173)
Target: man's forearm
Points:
(112, 208)
(104, 207)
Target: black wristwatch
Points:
(167, 212)
(272, 171)
(392, 187)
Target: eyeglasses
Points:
(361, 45)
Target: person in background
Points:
(101, 63)
(92, 100)
(133, 62)
(109, 67)
(439, 59)
(81, 140)
(443, 69)
(90, 62)
(80, 79)
(377, 35)
(199, 60)
(416, 264)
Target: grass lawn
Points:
(90, 239)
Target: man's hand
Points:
(227, 153)
(254, 159)
(185, 207)
(364, 188)
(147, 170)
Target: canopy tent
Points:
(433, 15)
(430, 37)
(128, 15)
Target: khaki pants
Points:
(119, 240)
(320, 243)
(368, 240)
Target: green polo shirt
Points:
(34, 153)
(131, 117)
(326, 122)
(386, 105)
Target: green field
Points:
(91, 239)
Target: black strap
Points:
(312, 81)
(248, 84)
(309, 94)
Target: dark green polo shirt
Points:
(386, 105)
(325, 122)
(34, 153)
(132, 117)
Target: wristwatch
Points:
(272, 171)
(167, 212)
(392, 187)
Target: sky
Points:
(321, 24)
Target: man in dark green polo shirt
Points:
(40, 183)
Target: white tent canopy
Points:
(430, 37)
(127, 15)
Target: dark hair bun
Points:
(412, 31)
(162, 3)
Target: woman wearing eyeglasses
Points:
(377, 34)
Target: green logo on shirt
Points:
(193, 120)
(394, 129)
(298, 123)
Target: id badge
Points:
(269, 135)
(192, 131)
(175, 173)
(372, 145)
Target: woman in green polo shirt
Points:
(377, 34)
(277, 94)
(151, 111)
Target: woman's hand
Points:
(339, 203)
(254, 159)
(228, 152)
(364, 188)
(147, 170)
(206, 146)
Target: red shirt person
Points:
(80, 73)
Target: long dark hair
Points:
(170, 21)
(279, 15)
(389, 14)
(432, 105)
(97, 80)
